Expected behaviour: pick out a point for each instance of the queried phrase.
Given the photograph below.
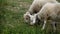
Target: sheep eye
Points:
(27, 18)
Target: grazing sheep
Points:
(32, 17)
(35, 7)
(50, 11)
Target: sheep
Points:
(35, 7)
(50, 11)
(32, 17)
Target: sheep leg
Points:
(44, 25)
(54, 25)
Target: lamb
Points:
(50, 11)
(35, 7)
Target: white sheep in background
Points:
(35, 7)
(50, 11)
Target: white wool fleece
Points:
(37, 5)
(51, 10)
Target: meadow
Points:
(12, 21)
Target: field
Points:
(12, 22)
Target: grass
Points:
(12, 22)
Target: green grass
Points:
(12, 22)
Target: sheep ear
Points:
(26, 16)
(29, 15)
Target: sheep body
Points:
(49, 10)
(36, 6)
